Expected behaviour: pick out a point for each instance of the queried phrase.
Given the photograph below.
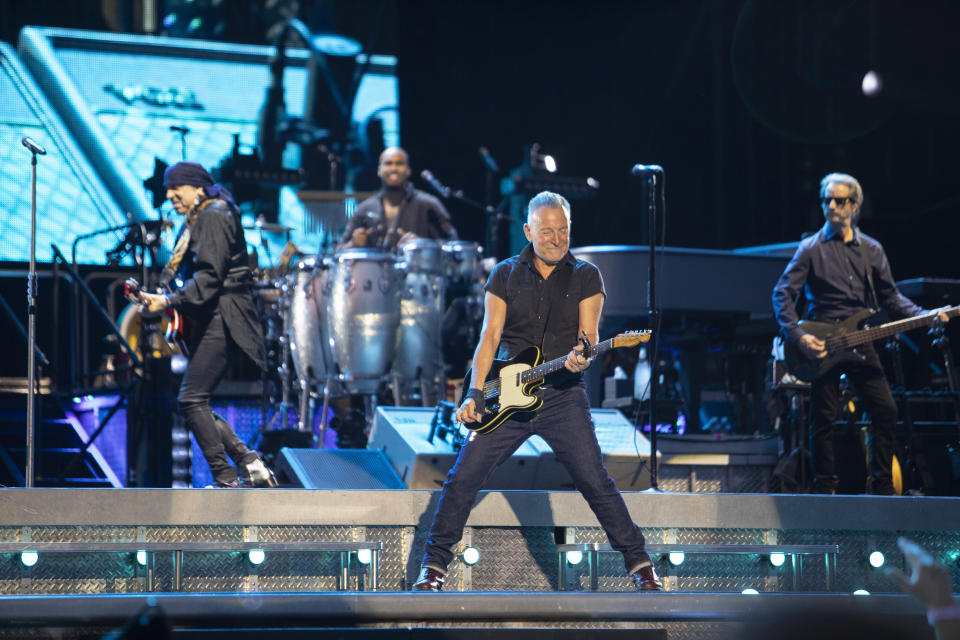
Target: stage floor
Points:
(519, 614)
(515, 586)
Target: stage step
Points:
(59, 442)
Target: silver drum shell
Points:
(424, 256)
(306, 329)
(420, 340)
(462, 259)
(363, 314)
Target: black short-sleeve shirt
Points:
(531, 300)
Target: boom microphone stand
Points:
(35, 150)
(650, 172)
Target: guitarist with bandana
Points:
(210, 281)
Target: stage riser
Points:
(512, 558)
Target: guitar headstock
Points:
(630, 338)
(131, 291)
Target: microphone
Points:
(436, 184)
(179, 129)
(33, 146)
(488, 160)
(643, 169)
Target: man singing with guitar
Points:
(210, 259)
(841, 271)
(541, 302)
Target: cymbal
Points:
(269, 227)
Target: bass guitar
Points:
(174, 332)
(510, 384)
(842, 339)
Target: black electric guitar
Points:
(174, 332)
(843, 337)
(510, 384)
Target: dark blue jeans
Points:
(564, 422)
(208, 364)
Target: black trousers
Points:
(870, 384)
(208, 364)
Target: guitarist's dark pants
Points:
(208, 364)
(874, 392)
(564, 422)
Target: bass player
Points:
(544, 298)
(840, 271)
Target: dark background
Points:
(745, 103)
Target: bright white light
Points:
(363, 556)
(142, 558)
(29, 558)
(861, 592)
(750, 592)
(178, 364)
(336, 45)
(777, 559)
(676, 558)
(256, 556)
(574, 557)
(550, 164)
(471, 556)
(876, 559)
(872, 83)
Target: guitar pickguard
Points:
(512, 395)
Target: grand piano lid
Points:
(688, 279)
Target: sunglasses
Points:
(841, 202)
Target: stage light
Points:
(334, 44)
(29, 558)
(169, 20)
(470, 556)
(256, 556)
(178, 364)
(676, 558)
(550, 164)
(142, 558)
(364, 556)
(876, 559)
(195, 24)
(861, 592)
(872, 83)
(749, 591)
(574, 557)
(777, 559)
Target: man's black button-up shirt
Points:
(832, 277)
(531, 300)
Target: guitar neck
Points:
(891, 328)
(556, 364)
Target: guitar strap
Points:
(869, 271)
(180, 248)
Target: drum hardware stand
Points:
(326, 408)
(913, 462)
(443, 424)
(942, 342)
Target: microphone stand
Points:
(448, 193)
(653, 315)
(32, 321)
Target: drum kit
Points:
(360, 321)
